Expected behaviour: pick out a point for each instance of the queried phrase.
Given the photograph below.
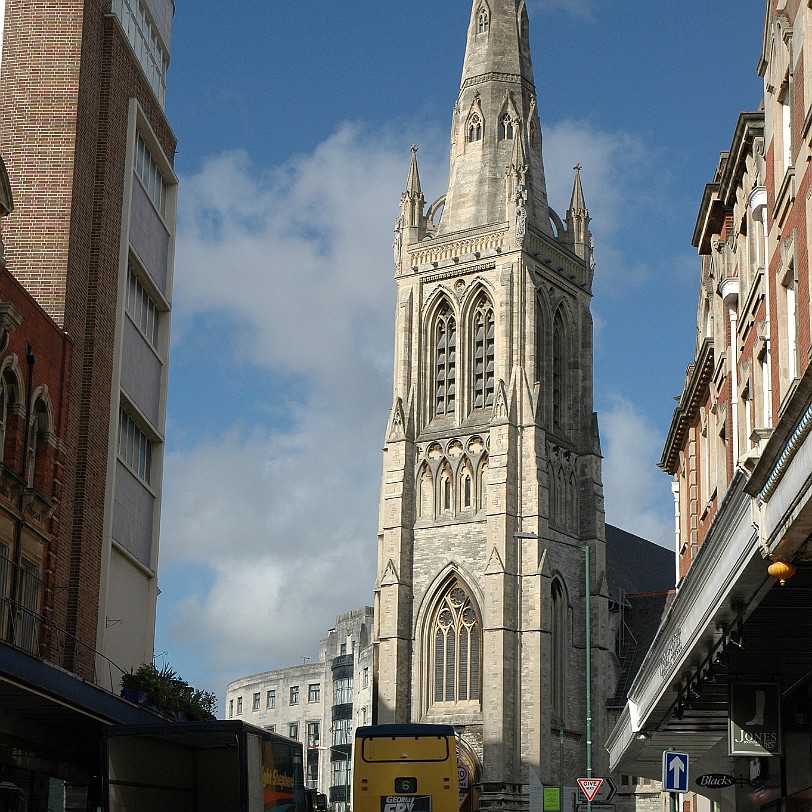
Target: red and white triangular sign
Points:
(590, 786)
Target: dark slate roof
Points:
(641, 578)
(634, 565)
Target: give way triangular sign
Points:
(590, 786)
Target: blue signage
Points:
(675, 771)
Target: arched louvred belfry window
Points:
(559, 371)
(457, 638)
(445, 364)
(484, 354)
(558, 644)
(474, 128)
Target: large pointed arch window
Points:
(558, 643)
(445, 361)
(484, 355)
(559, 371)
(457, 647)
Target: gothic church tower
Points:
(491, 435)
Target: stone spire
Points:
(412, 201)
(496, 108)
(578, 219)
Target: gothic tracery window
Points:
(445, 363)
(484, 355)
(457, 637)
(474, 128)
(505, 127)
(483, 21)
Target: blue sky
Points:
(294, 124)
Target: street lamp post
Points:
(584, 548)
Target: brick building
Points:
(727, 680)
(89, 239)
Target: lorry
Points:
(201, 767)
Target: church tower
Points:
(491, 489)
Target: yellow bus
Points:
(405, 768)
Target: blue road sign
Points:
(675, 771)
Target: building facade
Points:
(319, 704)
(89, 152)
(87, 202)
(491, 490)
(727, 681)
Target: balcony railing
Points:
(25, 628)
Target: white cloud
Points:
(284, 518)
(612, 164)
(637, 494)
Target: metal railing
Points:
(25, 628)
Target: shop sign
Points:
(715, 780)
(754, 726)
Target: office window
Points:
(270, 699)
(141, 308)
(312, 734)
(293, 730)
(150, 175)
(294, 695)
(134, 447)
(230, 708)
(342, 690)
(143, 37)
(342, 731)
(255, 702)
(239, 706)
(313, 692)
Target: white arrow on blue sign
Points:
(675, 771)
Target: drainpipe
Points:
(18, 531)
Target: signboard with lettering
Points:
(715, 780)
(552, 799)
(754, 726)
(406, 803)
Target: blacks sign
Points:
(715, 780)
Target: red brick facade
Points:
(68, 74)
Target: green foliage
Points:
(167, 691)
